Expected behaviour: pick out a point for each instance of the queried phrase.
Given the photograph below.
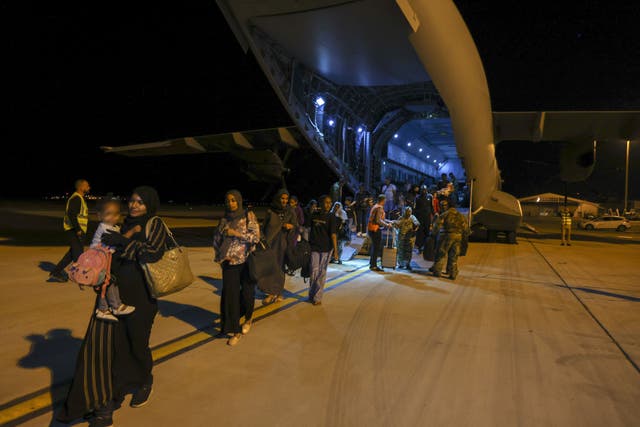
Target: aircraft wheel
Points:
(621, 228)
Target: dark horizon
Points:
(78, 84)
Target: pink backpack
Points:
(93, 267)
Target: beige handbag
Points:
(172, 272)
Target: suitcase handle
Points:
(389, 231)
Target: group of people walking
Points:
(115, 358)
(421, 220)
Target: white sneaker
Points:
(246, 327)
(123, 310)
(234, 340)
(106, 315)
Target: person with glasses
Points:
(127, 366)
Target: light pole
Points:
(626, 181)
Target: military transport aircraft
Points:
(384, 88)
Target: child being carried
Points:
(109, 304)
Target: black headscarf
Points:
(276, 204)
(151, 200)
(230, 216)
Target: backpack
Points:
(93, 267)
(298, 256)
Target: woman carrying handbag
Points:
(233, 242)
(102, 380)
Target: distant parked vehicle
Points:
(607, 222)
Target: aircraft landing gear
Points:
(509, 236)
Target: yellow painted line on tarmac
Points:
(34, 404)
(39, 402)
(165, 350)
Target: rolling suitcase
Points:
(389, 253)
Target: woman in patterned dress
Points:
(407, 226)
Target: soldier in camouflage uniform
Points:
(451, 228)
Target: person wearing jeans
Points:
(323, 239)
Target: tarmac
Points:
(532, 334)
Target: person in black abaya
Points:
(115, 358)
(278, 226)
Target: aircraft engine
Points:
(577, 160)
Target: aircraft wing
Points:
(566, 125)
(226, 142)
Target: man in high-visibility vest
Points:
(565, 227)
(76, 219)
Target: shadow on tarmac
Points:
(216, 283)
(410, 281)
(46, 266)
(197, 317)
(57, 351)
(606, 293)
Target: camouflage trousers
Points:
(449, 250)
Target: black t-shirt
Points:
(323, 225)
(361, 198)
(424, 206)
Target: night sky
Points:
(140, 76)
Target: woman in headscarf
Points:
(342, 221)
(101, 382)
(407, 226)
(233, 241)
(280, 220)
(297, 209)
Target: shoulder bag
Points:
(262, 261)
(172, 272)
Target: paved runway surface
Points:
(532, 334)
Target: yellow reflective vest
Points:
(83, 216)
